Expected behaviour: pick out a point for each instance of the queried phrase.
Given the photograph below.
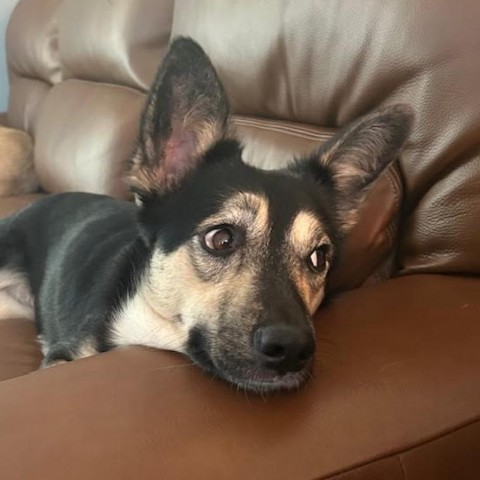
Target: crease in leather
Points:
(395, 453)
(279, 126)
(402, 467)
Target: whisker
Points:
(168, 367)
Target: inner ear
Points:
(351, 160)
(185, 115)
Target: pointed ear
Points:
(355, 157)
(186, 114)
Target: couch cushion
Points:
(396, 375)
(33, 58)
(84, 135)
(118, 42)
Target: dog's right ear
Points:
(185, 115)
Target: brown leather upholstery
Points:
(393, 390)
(396, 392)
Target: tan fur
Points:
(17, 174)
(247, 210)
(55, 363)
(87, 349)
(196, 301)
(306, 233)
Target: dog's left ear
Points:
(353, 158)
(185, 115)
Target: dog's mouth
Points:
(246, 375)
(260, 381)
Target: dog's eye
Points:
(317, 260)
(220, 240)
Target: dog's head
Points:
(240, 255)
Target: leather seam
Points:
(114, 86)
(22, 76)
(398, 453)
(304, 133)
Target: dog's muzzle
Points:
(280, 358)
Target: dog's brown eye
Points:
(220, 240)
(317, 261)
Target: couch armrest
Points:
(396, 391)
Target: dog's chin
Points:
(261, 381)
(251, 378)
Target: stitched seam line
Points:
(285, 129)
(432, 439)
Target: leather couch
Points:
(396, 393)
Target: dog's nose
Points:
(283, 348)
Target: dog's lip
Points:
(253, 378)
(268, 381)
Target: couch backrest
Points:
(294, 71)
(79, 72)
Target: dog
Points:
(216, 259)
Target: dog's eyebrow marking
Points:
(247, 209)
(306, 232)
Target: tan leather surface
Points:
(105, 121)
(270, 144)
(33, 59)
(396, 371)
(32, 40)
(3, 119)
(119, 42)
(325, 63)
(26, 96)
(10, 205)
(444, 232)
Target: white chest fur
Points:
(138, 323)
(16, 300)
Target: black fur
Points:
(83, 254)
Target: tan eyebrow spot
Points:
(247, 209)
(306, 232)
